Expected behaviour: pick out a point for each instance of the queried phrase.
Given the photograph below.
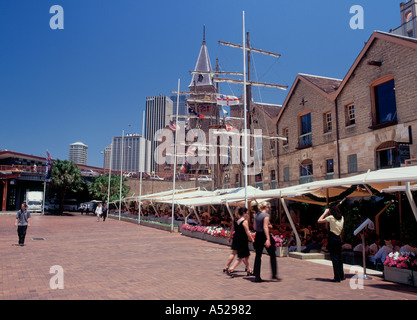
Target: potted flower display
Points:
(401, 267)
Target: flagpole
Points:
(245, 115)
(121, 175)
(110, 168)
(48, 168)
(140, 162)
(43, 200)
(175, 159)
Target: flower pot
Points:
(415, 278)
(403, 276)
(282, 251)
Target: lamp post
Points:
(110, 162)
(140, 166)
(121, 173)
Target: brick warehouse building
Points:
(367, 120)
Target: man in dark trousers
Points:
(263, 240)
(22, 223)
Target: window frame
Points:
(350, 114)
(373, 86)
(327, 122)
(300, 130)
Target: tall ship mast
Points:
(205, 112)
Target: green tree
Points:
(99, 188)
(65, 178)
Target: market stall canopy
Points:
(233, 196)
(362, 185)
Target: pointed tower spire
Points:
(204, 66)
(204, 33)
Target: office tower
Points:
(78, 153)
(107, 157)
(135, 152)
(159, 110)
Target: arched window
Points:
(387, 155)
(408, 16)
(306, 171)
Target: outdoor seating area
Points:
(203, 211)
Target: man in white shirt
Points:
(384, 251)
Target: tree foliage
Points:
(65, 178)
(99, 188)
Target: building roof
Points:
(5, 154)
(331, 87)
(204, 65)
(398, 39)
(78, 144)
(328, 85)
(270, 110)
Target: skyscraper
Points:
(78, 153)
(107, 157)
(159, 110)
(135, 153)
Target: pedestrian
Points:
(334, 217)
(240, 240)
(22, 222)
(233, 254)
(263, 239)
(105, 209)
(99, 211)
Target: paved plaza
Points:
(115, 260)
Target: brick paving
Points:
(115, 260)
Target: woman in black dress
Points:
(240, 240)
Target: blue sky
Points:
(89, 81)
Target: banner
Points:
(48, 167)
(225, 100)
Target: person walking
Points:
(263, 240)
(240, 239)
(334, 217)
(99, 211)
(233, 246)
(104, 214)
(22, 222)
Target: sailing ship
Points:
(206, 105)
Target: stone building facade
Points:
(367, 121)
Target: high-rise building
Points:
(107, 157)
(78, 153)
(159, 110)
(136, 152)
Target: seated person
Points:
(347, 246)
(192, 220)
(408, 248)
(359, 248)
(383, 252)
(313, 245)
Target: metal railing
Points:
(305, 140)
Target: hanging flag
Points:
(225, 100)
(173, 126)
(191, 151)
(48, 167)
(185, 167)
(229, 127)
(192, 111)
(204, 109)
